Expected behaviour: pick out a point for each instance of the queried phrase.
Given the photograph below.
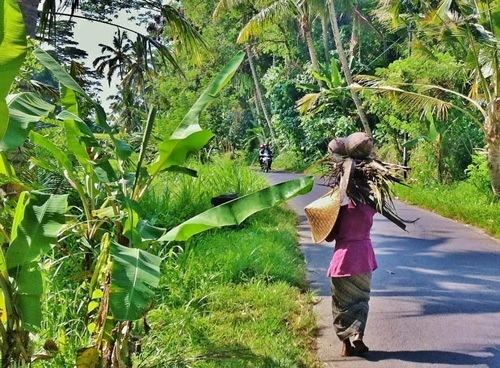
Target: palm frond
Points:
(183, 31)
(265, 18)
(308, 102)
(418, 100)
(370, 183)
(224, 6)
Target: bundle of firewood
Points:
(370, 180)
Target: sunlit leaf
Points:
(25, 110)
(13, 47)
(236, 211)
(35, 229)
(189, 136)
(134, 274)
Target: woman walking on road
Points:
(345, 215)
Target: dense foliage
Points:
(80, 209)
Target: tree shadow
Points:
(442, 278)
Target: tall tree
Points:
(115, 58)
(472, 30)
(303, 11)
(345, 66)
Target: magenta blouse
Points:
(353, 253)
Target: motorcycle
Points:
(265, 163)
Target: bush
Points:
(477, 172)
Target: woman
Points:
(359, 185)
(351, 272)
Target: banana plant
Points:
(110, 184)
(318, 98)
(34, 219)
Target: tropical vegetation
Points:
(106, 212)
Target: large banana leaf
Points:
(37, 222)
(69, 99)
(236, 211)
(29, 294)
(12, 53)
(189, 136)
(25, 110)
(135, 272)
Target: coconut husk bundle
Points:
(370, 179)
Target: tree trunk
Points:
(345, 67)
(492, 126)
(258, 92)
(326, 44)
(354, 37)
(306, 29)
(29, 8)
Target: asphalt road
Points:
(435, 298)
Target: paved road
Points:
(435, 297)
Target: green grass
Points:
(461, 201)
(235, 299)
(289, 161)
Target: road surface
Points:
(435, 298)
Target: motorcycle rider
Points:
(265, 151)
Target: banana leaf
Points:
(29, 295)
(13, 47)
(189, 136)
(25, 110)
(37, 221)
(236, 211)
(134, 273)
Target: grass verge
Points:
(234, 297)
(461, 201)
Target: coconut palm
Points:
(345, 65)
(180, 30)
(115, 58)
(275, 12)
(139, 71)
(472, 30)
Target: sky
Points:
(89, 35)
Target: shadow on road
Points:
(490, 357)
(444, 280)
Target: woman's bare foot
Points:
(347, 348)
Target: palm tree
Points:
(470, 28)
(258, 91)
(345, 66)
(117, 57)
(303, 11)
(180, 30)
(140, 72)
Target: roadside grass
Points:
(289, 161)
(232, 297)
(461, 201)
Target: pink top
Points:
(353, 253)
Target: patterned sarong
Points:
(350, 296)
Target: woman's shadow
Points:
(489, 357)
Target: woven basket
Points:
(322, 214)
